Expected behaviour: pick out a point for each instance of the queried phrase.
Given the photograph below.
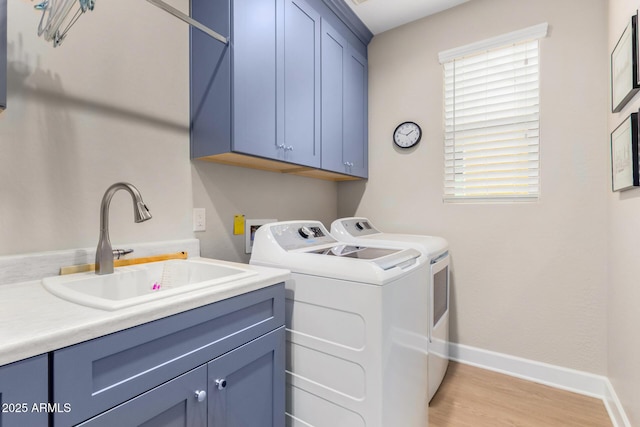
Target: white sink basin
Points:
(138, 284)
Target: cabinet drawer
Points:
(99, 374)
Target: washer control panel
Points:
(311, 232)
(300, 235)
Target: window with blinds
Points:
(492, 110)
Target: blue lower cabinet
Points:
(156, 374)
(24, 393)
(179, 402)
(243, 388)
(246, 386)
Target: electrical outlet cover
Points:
(251, 225)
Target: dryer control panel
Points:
(299, 235)
(355, 227)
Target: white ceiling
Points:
(383, 15)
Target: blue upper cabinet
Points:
(300, 83)
(344, 105)
(233, 87)
(254, 49)
(259, 101)
(334, 58)
(355, 144)
(3, 54)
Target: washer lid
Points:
(383, 257)
(305, 247)
(347, 230)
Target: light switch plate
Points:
(199, 219)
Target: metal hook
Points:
(87, 5)
(58, 37)
(42, 6)
(45, 7)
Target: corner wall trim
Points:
(614, 407)
(572, 380)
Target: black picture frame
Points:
(3, 55)
(637, 47)
(624, 67)
(624, 155)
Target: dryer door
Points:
(438, 322)
(439, 291)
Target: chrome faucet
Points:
(104, 253)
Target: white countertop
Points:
(35, 321)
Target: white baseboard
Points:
(572, 380)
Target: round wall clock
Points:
(407, 135)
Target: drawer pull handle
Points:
(201, 395)
(221, 384)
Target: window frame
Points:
(506, 41)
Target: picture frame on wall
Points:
(636, 45)
(624, 154)
(624, 67)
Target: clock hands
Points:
(407, 135)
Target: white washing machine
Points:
(357, 330)
(360, 231)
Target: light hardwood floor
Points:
(473, 397)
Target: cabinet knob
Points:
(289, 148)
(281, 147)
(221, 383)
(201, 395)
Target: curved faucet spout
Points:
(104, 253)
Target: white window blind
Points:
(492, 123)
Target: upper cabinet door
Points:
(334, 57)
(300, 68)
(3, 54)
(356, 113)
(254, 41)
(344, 105)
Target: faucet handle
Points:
(117, 253)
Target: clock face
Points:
(407, 134)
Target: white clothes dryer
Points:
(356, 321)
(360, 231)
